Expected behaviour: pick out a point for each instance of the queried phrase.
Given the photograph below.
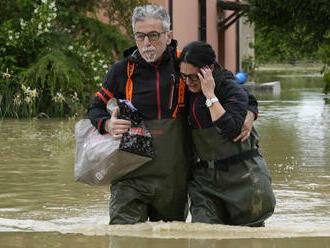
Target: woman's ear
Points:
(212, 67)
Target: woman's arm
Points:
(229, 113)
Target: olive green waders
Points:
(157, 190)
(232, 184)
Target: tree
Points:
(295, 28)
(54, 54)
(299, 25)
(120, 11)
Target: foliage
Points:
(53, 49)
(120, 11)
(292, 29)
(249, 65)
(327, 82)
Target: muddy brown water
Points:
(42, 206)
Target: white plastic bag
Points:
(98, 158)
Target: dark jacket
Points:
(155, 86)
(234, 99)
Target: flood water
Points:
(42, 206)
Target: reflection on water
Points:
(41, 205)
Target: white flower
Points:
(36, 10)
(40, 26)
(105, 66)
(25, 90)
(33, 93)
(96, 78)
(75, 97)
(17, 100)
(52, 5)
(44, 1)
(70, 47)
(58, 97)
(22, 22)
(10, 37)
(6, 74)
(28, 99)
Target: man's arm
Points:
(97, 112)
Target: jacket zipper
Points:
(158, 94)
(194, 112)
(170, 102)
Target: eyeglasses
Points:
(192, 77)
(152, 36)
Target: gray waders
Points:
(157, 190)
(231, 184)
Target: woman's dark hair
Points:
(198, 54)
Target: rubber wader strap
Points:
(129, 84)
(182, 86)
(224, 164)
(129, 87)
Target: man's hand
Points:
(116, 127)
(246, 128)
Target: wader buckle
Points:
(223, 164)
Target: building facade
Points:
(220, 23)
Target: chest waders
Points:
(158, 189)
(231, 184)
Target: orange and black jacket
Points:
(154, 91)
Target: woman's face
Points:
(189, 75)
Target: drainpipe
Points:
(238, 60)
(202, 20)
(170, 7)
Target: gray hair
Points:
(141, 13)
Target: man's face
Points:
(151, 50)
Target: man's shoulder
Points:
(119, 66)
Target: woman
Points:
(231, 183)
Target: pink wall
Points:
(186, 26)
(211, 24)
(185, 21)
(230, 47)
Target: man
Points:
(157, 190)
(148, 77)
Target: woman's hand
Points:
(207, 82)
